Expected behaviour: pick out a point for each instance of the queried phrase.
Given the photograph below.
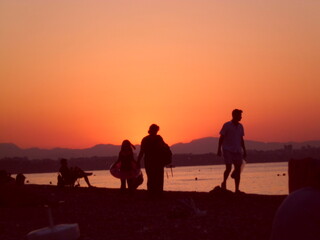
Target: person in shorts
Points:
(231, 146)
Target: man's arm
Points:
(219, 153)
(141, 153)
(244, 148)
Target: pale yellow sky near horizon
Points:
(80, 73)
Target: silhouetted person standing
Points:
(232, 145)
(126, 158)
(151, 149)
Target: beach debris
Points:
(57, 232)
(283, 174)
(185, 208)
(218, 191)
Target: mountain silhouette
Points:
(11, 150)
(210, 145)
(198, 146)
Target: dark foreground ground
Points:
(110, 214)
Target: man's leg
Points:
(148, 172)
(79, 173)
(236, 173)
(87, 180)
(159, 180)
(226, 175)
(123, 184)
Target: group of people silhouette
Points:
(157, 154)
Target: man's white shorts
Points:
(232, 157)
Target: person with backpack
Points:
(157, 155)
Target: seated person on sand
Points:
(69, 175)
(5, 178)
(20, 178)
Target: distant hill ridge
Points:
(198, 146)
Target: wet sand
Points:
(111, 214)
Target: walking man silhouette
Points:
(231, 145)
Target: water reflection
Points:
(259, 178)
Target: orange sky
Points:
(79, 73)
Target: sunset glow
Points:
(79, 73)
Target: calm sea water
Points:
(259, 178)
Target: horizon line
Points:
(51, 148)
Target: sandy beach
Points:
(111, 214)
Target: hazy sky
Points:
(79, 73)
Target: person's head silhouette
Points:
(153, 129)
(236, 115)
(63, 162)
(127, 146)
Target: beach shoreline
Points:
(104, 213)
